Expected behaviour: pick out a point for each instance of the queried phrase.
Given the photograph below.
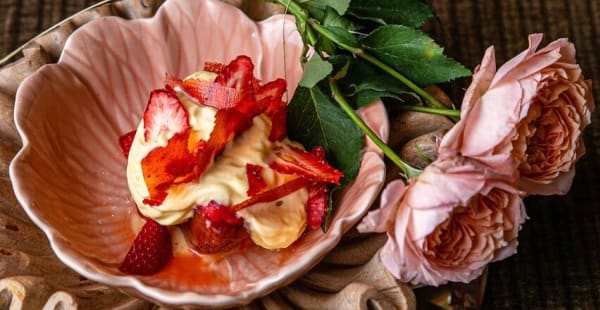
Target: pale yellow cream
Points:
(271, 225)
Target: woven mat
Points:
(558, 264)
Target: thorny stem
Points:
(407, 170)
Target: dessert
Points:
(211, 157)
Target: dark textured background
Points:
(558, 264)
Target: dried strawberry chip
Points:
(316, 206)
(125, 142)
(256, 183)
(171, 164)
(150, 252)
(268, 97)
(228, 124)
(238, 75)
(206, 236)
(164, 113)
(290, 160)
(233, 121)
(206, 92)
(214, 67)
(278, 123)
(274, 193)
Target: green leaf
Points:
(412, 13)
(332, 19)
(313, 119)
(364, 83)
(315, 70)
(342, 36)
(367, 96)
(414, 54)
(329, 210)
(340, 6)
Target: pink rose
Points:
(529, 115)
(449, 223)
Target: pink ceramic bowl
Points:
(70, 175)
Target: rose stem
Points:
(418, 108)
(407, 170)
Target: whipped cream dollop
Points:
(271, 225)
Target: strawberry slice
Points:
(213, 229)
(174, 163)
(268, 97)
(125, 141)
(235, 120)
(228, 124)
(207, 93)
(219, 214)
(278, 123)
(274, 193)
(316, 206)
(150, 252)
(256, 183)
(164, 113)
(238, 75)
(214, 67)
(290, 160)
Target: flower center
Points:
(546, 144)
(471, 233)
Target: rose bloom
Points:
(529, 115)
(448, 223)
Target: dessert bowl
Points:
(70, 175)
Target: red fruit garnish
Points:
(316, 206)
(125, 142)
(233, 121)
(207, 93)
(278, 123)
(219, 214)
(217, 68)
(150, 252)
(274, 193)
(268, 97)
(214, 67)
(224, 232)
(173, 164)
(238, 75)
(157, 200)
(291, 160)
(164, 113)
(256, 183)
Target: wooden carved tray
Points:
(31, 276)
